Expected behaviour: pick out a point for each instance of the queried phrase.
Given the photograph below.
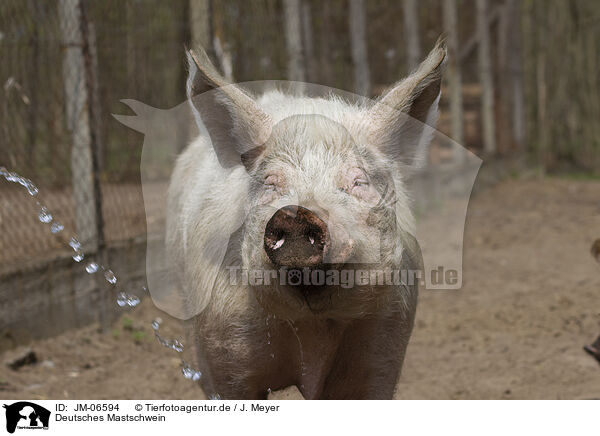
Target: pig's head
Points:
(326, 194)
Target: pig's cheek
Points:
(369, 195)
(267, 197)
(342, 245)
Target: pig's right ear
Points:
(237, 126)
(402, 121)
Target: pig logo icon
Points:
(26, 415)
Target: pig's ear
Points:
(237, 126)
(404, 118)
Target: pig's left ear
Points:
(404, 118)
(237, 126)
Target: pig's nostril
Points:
(278, 243)
(295, 236)
(315, 236)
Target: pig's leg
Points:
(235, 360)
(368, 362)
(227, 378)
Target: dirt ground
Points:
(530, 301)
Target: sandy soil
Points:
(530, 301)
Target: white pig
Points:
(319, 184)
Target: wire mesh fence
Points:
(65, 66)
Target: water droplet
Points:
(173, 345)
(272, 355)
(15, 178)
(75, 244)
(31, 188)
(91, 267)
(44, 215)
(189, 373)
(78, 257)
(156, 324)
(125, 299)
(214, 396)
(56, 227)
(177, 346)
(110, 277)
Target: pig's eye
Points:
(271, 182)
(359, 187)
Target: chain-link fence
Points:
(66, 64)
(64, 67)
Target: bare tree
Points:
(221, 45)
(453, 71)
(485, 78)
(78, 123)
(201, 25)
(326, 74)
(307, 33)
(502, 80)
(411, 31)
(358, 41)
(515, 65)
(293, 38)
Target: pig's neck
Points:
(318, 342)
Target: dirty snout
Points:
(296, 237)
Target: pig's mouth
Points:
(308, 264)
(317, 286)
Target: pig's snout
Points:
(296, 237)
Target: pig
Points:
(320, 184)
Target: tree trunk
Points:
(326, 71)
(411, 32)
(515, 65)
(453, 74)
(502, 79)
(485, 78)
(78, 123)
(222, 48)
(293, 38)
(307, 33)
(201, 26)
(95, 98)
(542, 126)
(358, 41)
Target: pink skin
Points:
(355, 182)
(273, 186)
